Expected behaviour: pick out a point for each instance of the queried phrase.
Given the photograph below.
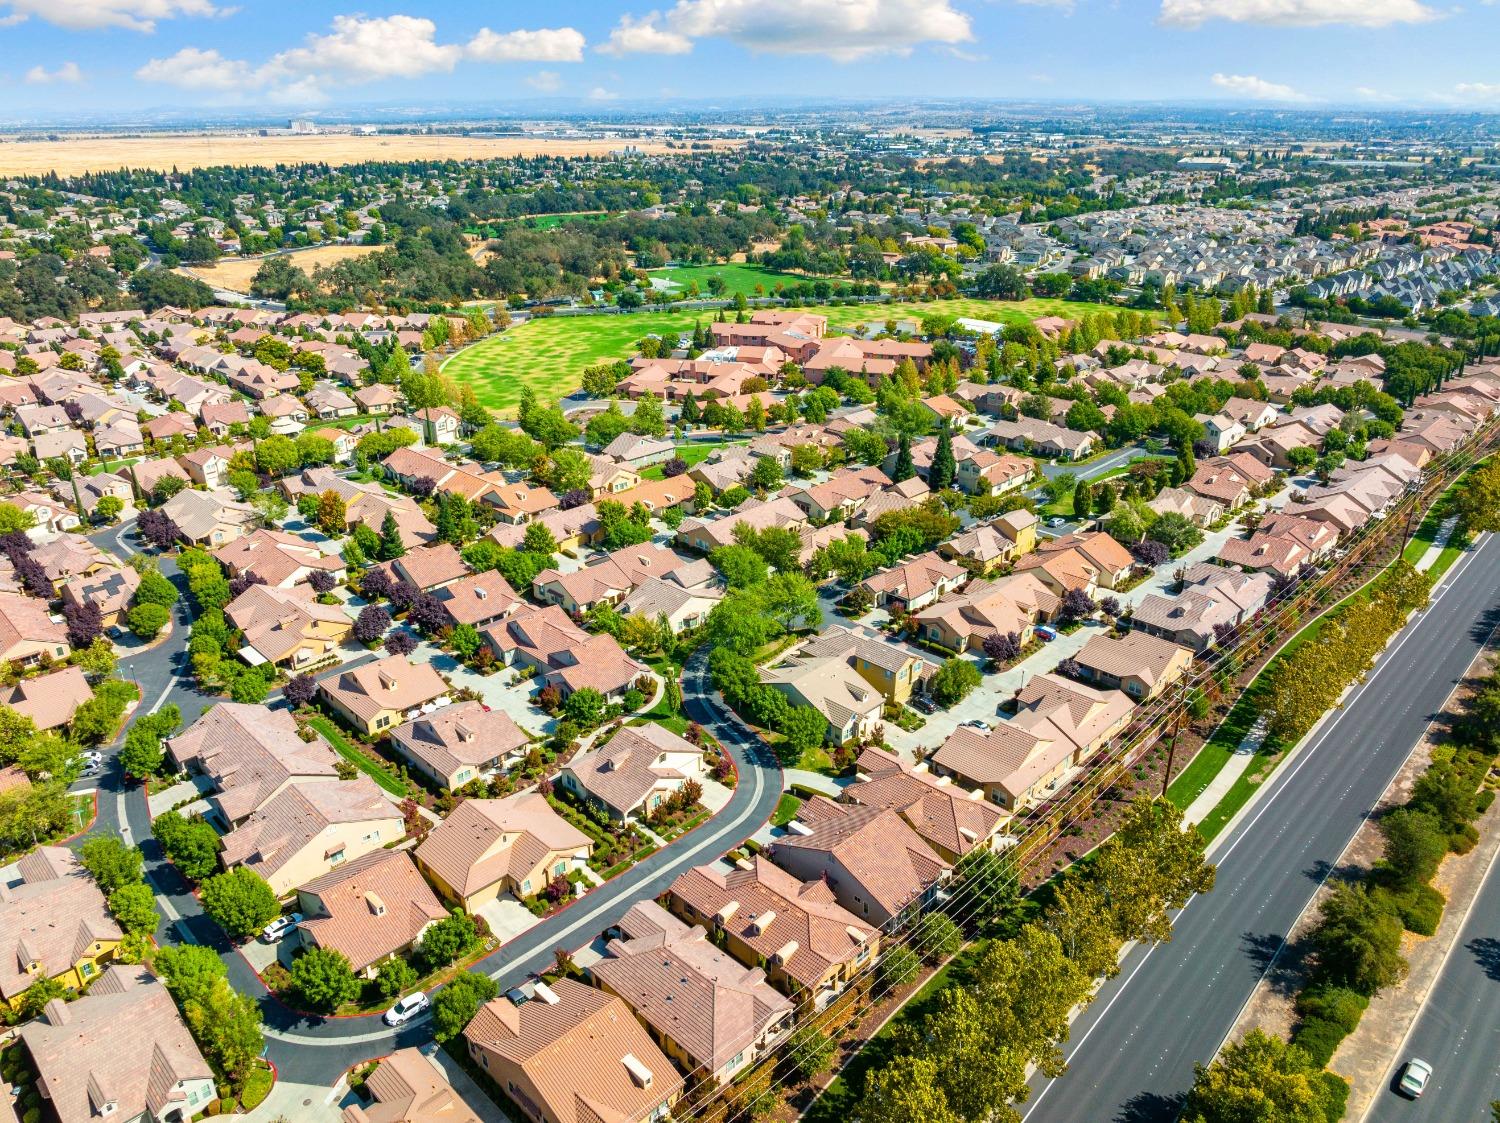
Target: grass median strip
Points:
(330, 732)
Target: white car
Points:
(405, 1010)
(280, 927)
(975, 723)
(1414, 1078)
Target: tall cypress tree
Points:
(905, 470)
(943, 468)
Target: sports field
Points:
(738, 277)
(549, 353)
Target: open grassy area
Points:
(335, 737)
(236, 273)
(786, 809)
(737, 277)
(548, 353)
(690, 454)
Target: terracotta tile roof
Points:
(430, 566)
(409, 1088)
(49, 700)
(53, 918)
(915, 577)
(370, 908)
(686, 989)
(478, 598)
(624, 770)
(582, 1054)
(81, 1065)
(275, 556)
(950, 819)
(277, 621)
(777, 915)
(277, 832)
(393, 683)
(465, 733)
(25, 620)
(485, 840)
(831, 687)
(1135, 654)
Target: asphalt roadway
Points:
(1132, 1051)
(1458, 1030)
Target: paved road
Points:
(1458, 1031)
(1132, 1051)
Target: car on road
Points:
(280, 927)
(975, 723)
(1414, 1077)
(1057, 521)
(407, 1009)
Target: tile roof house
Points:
(708, 534)
(1013, 604)
(1079, 560)
(1195, 508)
(848, 702)
(681, 606)
(563, 653)
(288, 627)
(893, 670)
(635, 770)
(810, 945)
(250, 753)
(280, 559)
(713, 1015)
(638, 451)
(987, 472)
(573, 1054)
(914, 583)
(991, 544)
(55, 924)
(378, 696)
(459, 743)
(28, 632)
(407, 1087)
(369, 909)
(952, 821)
(49, 700)
(876, 865)
(429, 567)
(479, 599)
(84, 1074)
(307, 829)
(1140, 664)
(1212, 598)
(490, 847)
(209, 518)
(615, 576)
(110, 589)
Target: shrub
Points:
(1318, 1038)
(1339, 1005)
(147, 620)
(898, 966)
(1421, 909)
(1486, 798)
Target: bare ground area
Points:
(236, 273)
(74, 155)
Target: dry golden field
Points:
(75, 155)
(236, 273)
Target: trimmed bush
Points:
(1318, 1038)
(1335, 1004)
(1486, 797)
(1337, 1089)
(1421, 910)
(1464, 839)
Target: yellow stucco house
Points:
(54, 925)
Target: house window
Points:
(526, 887)
(336, 857)
(373, 836)
(560, 869)
(88, 970)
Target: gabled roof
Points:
(486, 840)
(370, 908)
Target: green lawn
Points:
(548, 353)
(786, 809)
(335, 737)
(689, 454)
(738, 277)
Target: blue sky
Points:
(65, 57)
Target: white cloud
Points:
(67, 72)
(356, 49)
(193, 69)
(1296, 13)
(843, 30)
(599, 93)
(89, 15)
(1370, 93)
(645, 36)
(1476, 91)
(547, 81)
(548, 44)
(1256, 89)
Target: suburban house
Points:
(375, 697)
(120, 1052)
(564, 654)
(894, 671)
(407, 1087)
(206, 467)
(279, 559)
(810, 945)
(1213, 600)
(288, 627)
(459, 743)
(368, 909)
(1010, 605)
(489, 847)
(663, 968)
(633, 772)
(54, 924)
(616, 575)
(573, 1054)
(1140, 664)
(307, 829)
(1282, 544)
(845, 698)
(1042, 438)
(682, 607)
(638, 451)
(913, 584)
(994, 543)
(1191, 506)
(250, 754)
(1086, 561)
(876, 865)
(428, 568)
(209, 518)
(987, 472)
(49, 700)
(952, 821)
(28, 633)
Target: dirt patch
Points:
(236, 273)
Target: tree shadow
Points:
(1482, 628)
(1321, 870)
(1272, 958)
(1486, 952)
(1150, 1107)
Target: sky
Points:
(60, 58)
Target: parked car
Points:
(1414, 1078)
(924, 703)
(1044, 633)
(975, 723)
(280, 927)
(407, 1009)
(1056, 521)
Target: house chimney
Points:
(759, 924)
(544, 993)
(640, 1075)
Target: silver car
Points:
(1414, 1078)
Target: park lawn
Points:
(549, 353)
(690, 454)
(739, 277)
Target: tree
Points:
(898, 966)
(227, 1027)
(1076, 605)
(455, 1005)
(1415, 845)
(940, 475)
(391, 545)
(740, 565)
(954, 680)
(936, 938)
(905, 1090)
(134, 908)
(647, 419)
(189, 971)
(766, 475)
(147, 620)
(446, 940)
(142, 754)
(395, 977)
(371, 623)
(324, 980)
(1476, 501)
(400, 643)
(85, 623)
(240, 902)
(1357, 941)
(586, 706)
(804, 729)
(109, 507)
(1264, 1078)
(111, 863)
(1080, 917)
(300, 690)
(1176, 532)
(191, 844)
(1083, 500)
(1150, 867)
(156, 589)
(904, 468)
(333, 517)
(1001, 648)
(539, 539)
(809, 1053)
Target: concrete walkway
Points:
(1435, 551)
(830, 786)
(1233, 769)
